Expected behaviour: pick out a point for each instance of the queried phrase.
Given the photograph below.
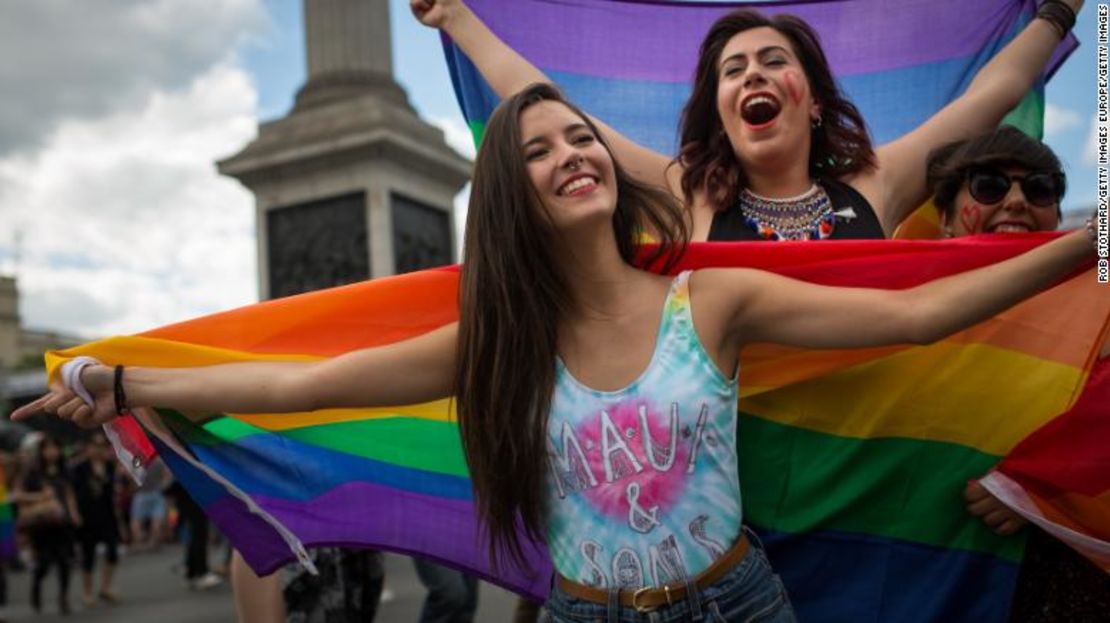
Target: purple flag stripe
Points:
(607, 38)
(366, 515)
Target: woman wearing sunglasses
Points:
(1007, 182)
(1000, 182)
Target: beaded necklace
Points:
(809, 216)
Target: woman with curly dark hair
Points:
(770, 148)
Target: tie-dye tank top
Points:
(642, 482)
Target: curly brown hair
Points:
(841, 144)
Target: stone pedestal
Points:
(351, 184)
(9, 323)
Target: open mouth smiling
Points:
(577, 185)
(760, 109)
(1009, 227)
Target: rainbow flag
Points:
(853, 462)
(630, 62)
(7, 521)
(1068, 498)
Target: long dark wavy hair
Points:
(840, 145)
(513, 293)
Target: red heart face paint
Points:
(794, 81)
(971, 218)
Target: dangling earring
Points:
(817, 121)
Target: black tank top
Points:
(729, 226)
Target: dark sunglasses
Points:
(1042, 189)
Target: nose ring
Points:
(575, 164)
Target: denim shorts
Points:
(148, 506)
(750, 592)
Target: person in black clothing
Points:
(94, 478)
(347, 589)
(48, 512)
(197, 574)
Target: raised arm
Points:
(413, 371)
(997, 88)
(756, 306)
(507, 72)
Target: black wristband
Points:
(121, 398)
(1059, 15)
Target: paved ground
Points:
(153, 591)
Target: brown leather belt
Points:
(651, 597)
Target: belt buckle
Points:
(644, 609)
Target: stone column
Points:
(9, 322)
(351, 184)
(347, 43)
(343, 37)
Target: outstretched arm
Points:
(996, 89)
(756, 306)
(507, 72)
(413, 371)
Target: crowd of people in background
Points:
(73, 505)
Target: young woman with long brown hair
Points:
(770, 149)
(574, 372)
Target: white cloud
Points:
(125, 223)
(1058, 120)
(457, 134)
(84, 60)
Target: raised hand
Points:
(67, 405)
(434, 13)
(998, 517)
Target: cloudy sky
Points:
(111, 212)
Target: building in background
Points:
(22, 377)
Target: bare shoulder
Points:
(709, 280)
(722, 288)
(718, 297)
